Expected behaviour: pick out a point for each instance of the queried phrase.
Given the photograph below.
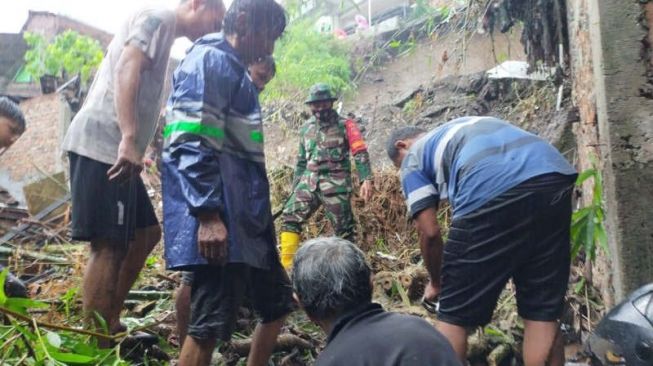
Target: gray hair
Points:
(330, 276)
(402, 133)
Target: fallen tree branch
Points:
(496, 357)
(148, 295)
(34, 255)
(169, 279)
(41, 324)
(29, 319)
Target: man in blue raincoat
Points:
(216, 205)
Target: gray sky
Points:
(104, 14)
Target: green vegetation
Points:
(27, 342)
(587, 230)
(69, 53)
(434, 16)
(305, 57)
(431, 18)
(28, 339)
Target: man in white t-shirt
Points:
(106, 142)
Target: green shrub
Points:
(305, 57)
(587, 230)
(68, 52)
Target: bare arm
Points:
(127, 78)
(430, 242)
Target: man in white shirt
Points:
(106, 142)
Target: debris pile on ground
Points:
(539, 106)
(382, 223)
(40, 252)
(386, 235)
(384, 231)
(530, 104)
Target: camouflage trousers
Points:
(303, 203)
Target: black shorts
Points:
(187, 278)
(523, 234)
(103, 209)
(218, 292)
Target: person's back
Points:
(510, 192)
(474, 159)
(371, 336)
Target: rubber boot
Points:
(289, 245)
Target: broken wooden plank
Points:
(17, 230)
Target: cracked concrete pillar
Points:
(625, 125)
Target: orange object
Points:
(356, 142)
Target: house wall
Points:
(11, 58)
(37, 153)
(49, 25)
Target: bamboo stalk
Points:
(33, 255)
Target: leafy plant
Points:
(151, 261)
(26, 342)
(414, 104)
(68, 300)
(17, 305)
(69, 52)
(587, 230)
(434, 16)
(305, 57)
(405, 47)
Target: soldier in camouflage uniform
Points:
(323, 172)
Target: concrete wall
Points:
(445, 55)
(609, 68)
(37, 153)
(626, 130)
(587, 131)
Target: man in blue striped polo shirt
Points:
(510, 192)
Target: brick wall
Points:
(38, 152)
(49, 25)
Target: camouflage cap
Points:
(320, 92)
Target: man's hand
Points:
(129, 162)
(212, 238)
(432, 291)
(367, 188)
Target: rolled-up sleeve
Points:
(147, 32)
(419, 191)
